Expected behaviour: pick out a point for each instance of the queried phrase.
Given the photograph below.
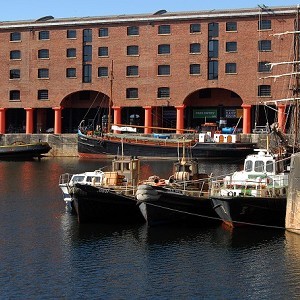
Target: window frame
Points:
(43, 73)
(71, 73)
(163, 70)
(195, 28)
(14, 74)
(264, 45)
(71, 52)
(195, 69)
(163, 93)
(44, 35)
(132, 93)
(264, 67)
(134, 52)
(102, 48)
(103, 32)
(43, 54)
(264, 90)
(164, 49)
(133, 31)
(231, 47)
(164, 29)
(14, 95)
(264, 24)
(43, 94)
(100, 75)
(132, 71)
(230, 68)
(231, 26)
(15, 36)
(195, 48)
(13, 53)
(71, 34)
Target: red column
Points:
(29, 120)
(117, 116)
(179, 118)
(281, 116)
(148, 119)
(246, 118)
(57, 119)
(2, 120)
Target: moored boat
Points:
(24, 151)
(210, 143)
(254, 196)
(184, 197)
(113, 199)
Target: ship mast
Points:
(110, 97)
(296, 70)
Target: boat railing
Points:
(65, 178)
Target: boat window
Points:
(259, 166)
(269, 166)
(98, 179)
(78, 179)
(89, 179)
(248, 166)
(126, 166)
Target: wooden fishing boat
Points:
(112, 198)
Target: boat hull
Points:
(89, 147)
(161, 205)
(254, 211)
(104, 205)
(24, 151)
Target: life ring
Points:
(230, 194)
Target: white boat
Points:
(256, 195)
(67, 180)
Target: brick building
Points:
(163, 69)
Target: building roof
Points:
(159, 16)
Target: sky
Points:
(14, 10)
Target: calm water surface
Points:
(46, 254)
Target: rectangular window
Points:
(264, 25)
(163, 92)
(71, 34)
(103, 32)
(87, 35)
(231, 26)
(14, 74)
(103, 51)
(163, 70)
(213, 30)
(194, 69)
(194, 28)
(164, 49)
(14, 95)
(264, 45)
(71, 52)
(133, 50)
(164, 29)
(15, 36)
(132, 71)
(43, 53)
(133, 30)
(132, 93)
(87, 53)
(231, 46)
(213, 71)
(43, 73)
(264, 91)
(87, 73)
(103, 72)
(230, 68)
(195, 48)
(264, 66)
(43, 95)
(71, 72)
(213, 49)
(15, 54)
(44, 35)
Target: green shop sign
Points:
(205, 113)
